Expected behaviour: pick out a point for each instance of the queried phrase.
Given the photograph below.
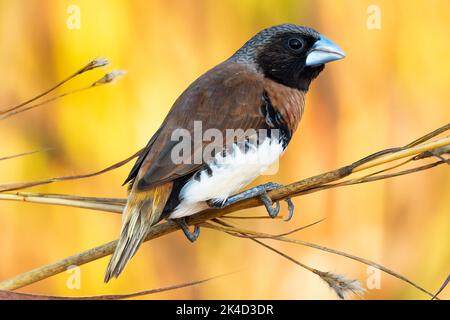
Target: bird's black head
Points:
(289, 54)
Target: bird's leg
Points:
(192, 236)
(261, 192)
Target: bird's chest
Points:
(230, 171)
(282, 106)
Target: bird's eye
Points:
(295, 44)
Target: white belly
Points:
(227, 176)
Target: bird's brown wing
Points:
(227, 97)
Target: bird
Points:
(260, 88)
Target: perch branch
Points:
(309, 185)
(116, 205)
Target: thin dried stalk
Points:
(429, 136)
(107, 78)
(10, 295)
(72, 197)
(29, 184)
(341, 285)
(84, 204)
(239, 232)
(371, 178)
(444, 285)
(19, 155)
(255, 234)
(406, 153)
(24, 109)
(96, 63)
(254, 217)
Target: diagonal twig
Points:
(23, 154)
(29, 184)
(444, 285)
(96, 63)
(107, 78)
(340, 284)
(238, 232)
(10, 295)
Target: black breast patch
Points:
(274, 120)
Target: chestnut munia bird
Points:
(261, 88)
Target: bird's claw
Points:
(272, 186)
(268, 203)
(274, 211)
(192, 236)
(291, 209)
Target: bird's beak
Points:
(323, 51)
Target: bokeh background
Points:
(391, 89)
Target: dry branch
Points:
(107, 78)
(239, 232)
(444, 285)
(29, 184)
(94, 205)
(341, 285)
(313, 184)
(10, 295)
(94, 64)
(18, 155)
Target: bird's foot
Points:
(261, 192)
(192, 236)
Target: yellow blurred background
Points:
(392, 88)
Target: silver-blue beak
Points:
(324, 51)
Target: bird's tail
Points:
(143, 210)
